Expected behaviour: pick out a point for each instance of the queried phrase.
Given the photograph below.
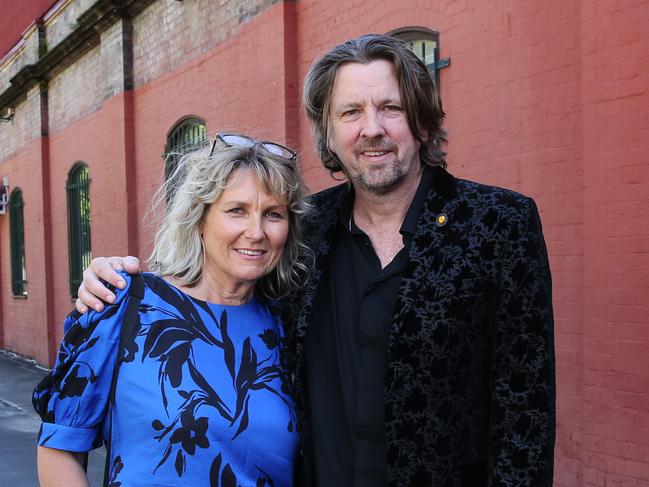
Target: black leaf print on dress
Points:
(180, 463)
(130, 350)
(75, 385)
(115, 469)
(243, 424)
(270, 338)
(264, 481)
(207, 394)
(176, 358)
(214, 471)
(169, 341)
(228, 346)
(228, 478)
(191, 434)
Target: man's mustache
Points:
(376, 145)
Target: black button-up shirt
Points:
(346, 347)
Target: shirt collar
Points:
(409, 225)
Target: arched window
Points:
(79, 255)
(17, 238)
(186, 135)
(425, 44)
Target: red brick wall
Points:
(24, 320)
(98, 141)
(548, 98)
(615, 128)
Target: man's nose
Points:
(373, 125)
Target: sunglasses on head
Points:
(236, 140)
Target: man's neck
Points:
(378, 210)
(380, 216)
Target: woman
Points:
(202, 397)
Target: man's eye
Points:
(393, 108)
(350, 113)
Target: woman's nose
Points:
(254, 230)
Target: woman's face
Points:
(244, 232)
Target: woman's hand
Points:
(92, 293)
(59, 468)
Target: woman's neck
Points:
(210, 289)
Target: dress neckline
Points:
(252, 302)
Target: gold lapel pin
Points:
(441, 219)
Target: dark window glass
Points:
(187, 135)
(17, 238)
(79, 254)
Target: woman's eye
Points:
(235, 211)
(275, 215)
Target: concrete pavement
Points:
(19, 425)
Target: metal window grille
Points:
(79, 253)
(186, 136)
(425, 44)
(17, 239)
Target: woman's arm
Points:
(59, 468)
(74, 398)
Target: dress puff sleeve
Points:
(72, 400)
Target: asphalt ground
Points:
(19, 425)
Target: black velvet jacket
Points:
(469, 379)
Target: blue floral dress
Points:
(202, 397)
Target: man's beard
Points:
(379, 179)
(385, 181)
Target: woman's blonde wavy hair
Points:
(198, 181)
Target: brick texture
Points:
(24, 320)
(23, 129)
(168, 32)
(25, 52)
(61, 20)
(546, 97)
(615, 128)
(77, 91)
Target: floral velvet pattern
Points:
(202, 396)
(469, 379)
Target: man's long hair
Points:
(418, 91)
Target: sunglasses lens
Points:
(243, 141)
(278, 150)
(237, 140)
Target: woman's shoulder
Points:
(85, 319)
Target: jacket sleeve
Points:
(522, 432)
(72, 400)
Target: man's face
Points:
(368, 128)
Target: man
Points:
(423, 340)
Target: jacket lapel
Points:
(428, 238)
